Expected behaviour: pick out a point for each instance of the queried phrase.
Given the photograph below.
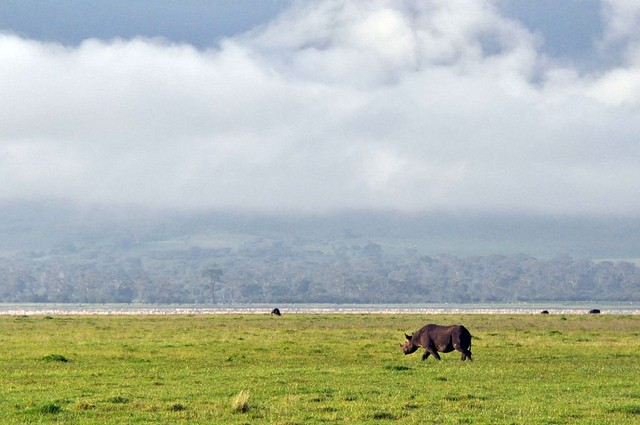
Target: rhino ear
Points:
(408, 337)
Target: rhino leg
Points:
(434, 352)
(425, 355)
(468, 353)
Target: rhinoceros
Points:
(436, 338)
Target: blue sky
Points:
(201, 23)
(308, 106)
(569, 27)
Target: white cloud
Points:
(622, 18)
(618, 87)
(336, 104)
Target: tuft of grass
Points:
(384, 416)
(85, 405)
(177, 407)
(55, 358)
(118, 400)
(50, 408)
(630, 410)
(397, 367)
(240, 403)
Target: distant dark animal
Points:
(436, 338)
(276, 311)
(594, 311)
(544, 312)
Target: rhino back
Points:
(444, 335)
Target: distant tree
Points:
(252, 292)
(213, 276)
(123, 292)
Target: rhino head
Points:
(408, 347)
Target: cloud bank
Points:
(335, 105)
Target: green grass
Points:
(301, 369)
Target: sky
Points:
(500, 106)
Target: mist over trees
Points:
(65, 256)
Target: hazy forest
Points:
(57, 253)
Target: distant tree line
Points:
(265, 270)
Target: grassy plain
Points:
(308, 368)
